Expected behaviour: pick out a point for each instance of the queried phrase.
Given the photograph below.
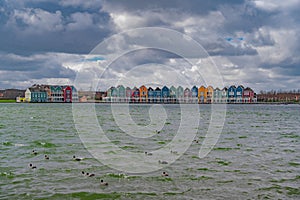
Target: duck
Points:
(34, 152)
(174, 152)
(32, 166)
(158, 132)
(164, 174)
(148, 153)
(197, 141)
(76, 159)
(103, 183)
(162, 162)
(46, 157)
(89, 175)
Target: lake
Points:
(256, 156)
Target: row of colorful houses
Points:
(195, 94)
(51, 93)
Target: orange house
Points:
(202, 94)
(143, 94)
(210, 93)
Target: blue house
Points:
(194, 92)
(150, 95)
(239, 94)
(231, 94)
(157, 95)
(74, 94)
(165, 93)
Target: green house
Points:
(37, 94)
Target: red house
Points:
(67, 94)
(135, 95)
(248, 95)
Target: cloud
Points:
(80, 21)
(32, 30)
(201, 7)
(17, 68)
(35, 21)
(79, 3)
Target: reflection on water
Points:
(256, 157)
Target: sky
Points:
(254, 43)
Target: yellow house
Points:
(143, 94)
(202, 94)
(210, 93)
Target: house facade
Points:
(194, 92)
(179, 94)
(173, 97)
(150, 95)
(121, 93)
(135, 95)
(224, 93)
(128, 94)
(217, 95)
(187, 95)
(202, 94)
(231, 94)
(165, 94)
(143, 94)
(209, 96)
(157, 95)
(239, 94)
(248, 95)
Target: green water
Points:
(256, 157)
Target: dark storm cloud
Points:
(141, 57)
(246, 18)
(35, 67)
(287, 67)
(227, 49)
(32, 29)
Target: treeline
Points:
(280, 91)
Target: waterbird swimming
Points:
(89, 175)
(103, 183)
(32, 166)
(148, 153)
(76, 159)
(197, 141)
(34, 152)
(162, 162)
(46, 157)
(165, 174)
(175, 152)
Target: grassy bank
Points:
(7, 101)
